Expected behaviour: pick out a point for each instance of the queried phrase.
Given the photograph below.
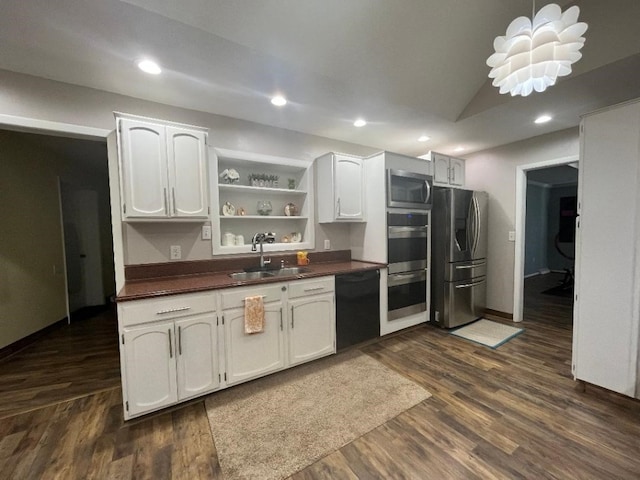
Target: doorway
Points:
(522, 174)
(551, 204)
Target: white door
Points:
(605, 319)
(440, 168)
(456, 171)
(143, 167)
(257, 354)
(311, 328)
(348, 188)
(150, 367)
(187, 161)
(197, 350)
(83, 254)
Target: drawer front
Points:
(174, 306)
(313, 286)
(234, 297)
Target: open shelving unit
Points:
(244, 196)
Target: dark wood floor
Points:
(513, 412)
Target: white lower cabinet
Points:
(253, 355)
(197, 355)
(168, 350)
(149, 370)
(181, 346)
(299, 327)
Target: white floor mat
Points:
(486, 332)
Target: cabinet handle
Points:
(453, 174)
(313, 289)
(449, 174)
(173, 310)
(173, 198)
(170, 345)
(292, 317)
(281, 327)
(166, 205)
(179, 340)
(338, 206)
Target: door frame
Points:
(70, 130)
(521, 212)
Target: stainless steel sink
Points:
(290, 271)
(251, 275)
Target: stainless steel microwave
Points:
(409, 190)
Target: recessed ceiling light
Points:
(543, 119)
(149, 66)
(423, 138)
(459, 149)
(279, 101)
(359, 123)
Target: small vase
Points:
(264, 207)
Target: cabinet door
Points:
(440, 168)
(348, 188)
(143, 167)
(197, 354)
(150, 367)
(187, 163)
(312, 328)
(456, 172)
(253, 355)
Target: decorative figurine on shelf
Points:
(264, 207)
(230, 176)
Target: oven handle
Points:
(398, 279)
(472, 284)
(408, 232)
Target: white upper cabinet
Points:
(447, 171)
(163, 170)
(340, 188)
(187, 162)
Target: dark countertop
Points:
(171, 285)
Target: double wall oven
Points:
(408, 214)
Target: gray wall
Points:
(494, 171)
(34, 97)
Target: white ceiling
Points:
(410, 67)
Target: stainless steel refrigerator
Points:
(458, 256)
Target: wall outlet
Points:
(206, 232)
(327, 244)
(176, 252)
(512, 236)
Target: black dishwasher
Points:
(357, 307)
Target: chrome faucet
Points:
(260, 238)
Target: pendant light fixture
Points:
(534, 53)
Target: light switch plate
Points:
(327, 244)
(206, 232)
(176, 252)
(512, 236)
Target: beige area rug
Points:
(272, 427)
(486, 332)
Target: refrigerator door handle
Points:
(474, 265)
(478, 223)
(472, 284)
